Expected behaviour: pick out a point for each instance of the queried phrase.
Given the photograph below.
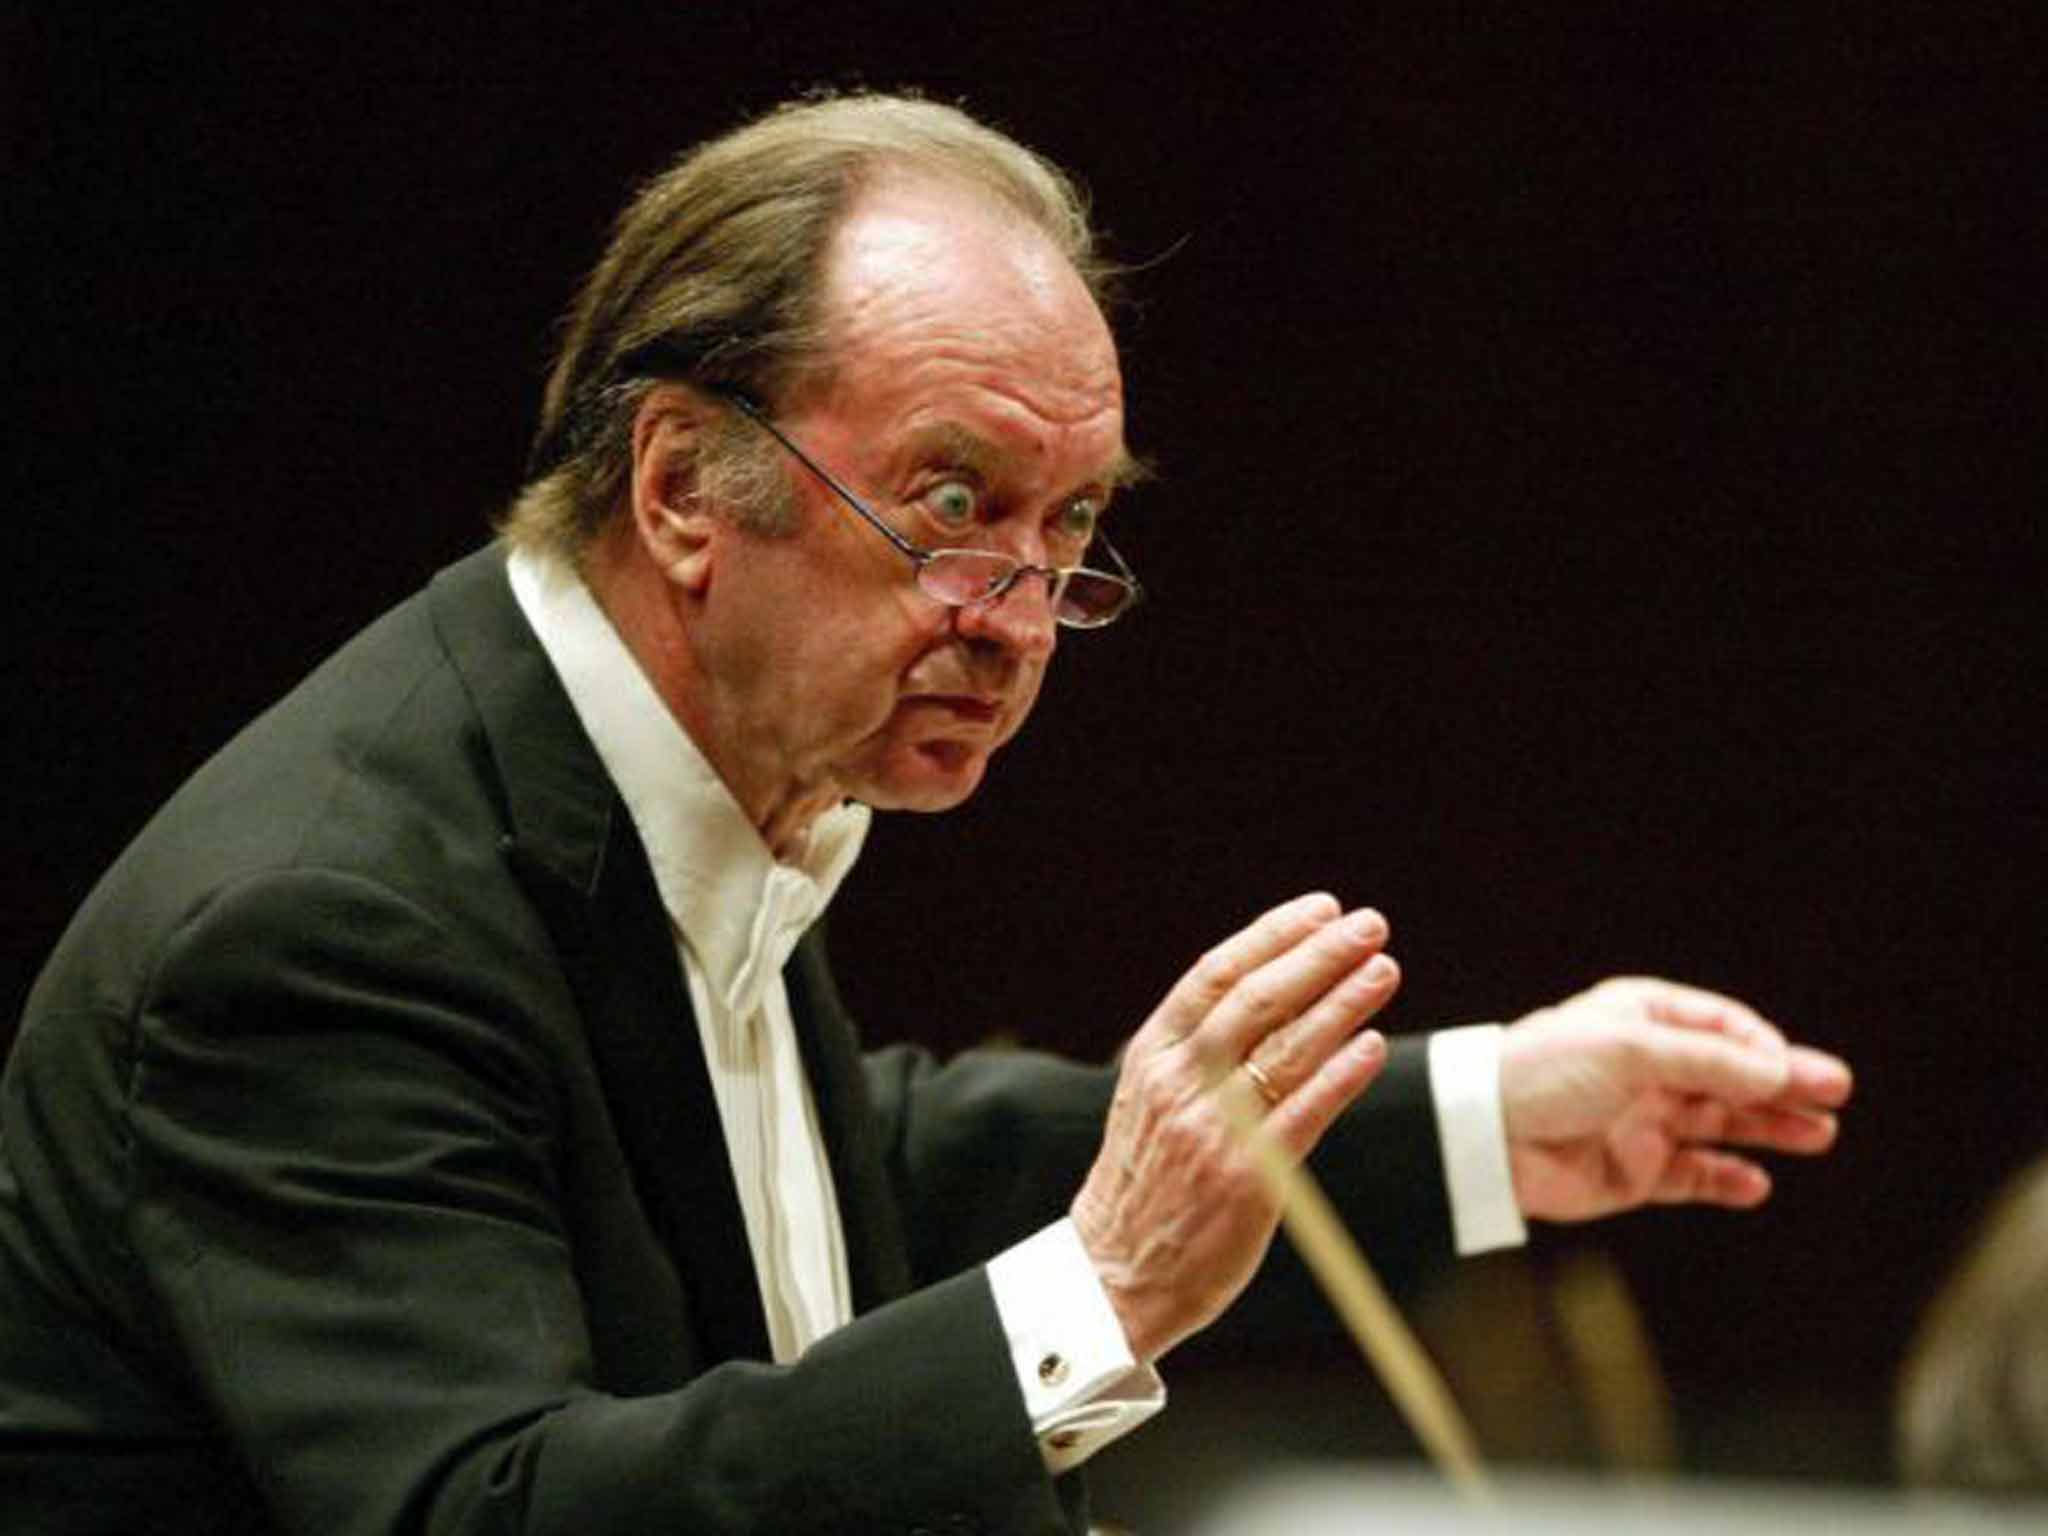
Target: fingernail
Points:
(1379, 970)
(1366, 924)
(1372, 1044)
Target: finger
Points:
(1817, 1079)
(1804, 1132)
(1298, 1122)
(1669, 1002)
(1210, 979)
(1291, 1054)
(1814, 1078)
(1767, 1128)
(1703, 1176)
(1684, 1060)
(1287, 985)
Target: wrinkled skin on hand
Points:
(1635, 1092)
(1173, 1213)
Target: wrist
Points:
(1136, 1305)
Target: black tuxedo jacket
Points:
(359, 1171)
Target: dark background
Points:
(1598, 524)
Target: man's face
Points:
(976, 401)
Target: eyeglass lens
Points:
(968, 576)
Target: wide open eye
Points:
(1074, 525)
(952, 505)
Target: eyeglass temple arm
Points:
(1124, 570)
(755, 414)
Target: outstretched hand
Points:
(1173, 1214)
(1636, 1091)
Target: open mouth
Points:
(965, 707)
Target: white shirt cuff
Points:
(1081, 1386)
(1464, 1077)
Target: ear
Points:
(670, 520)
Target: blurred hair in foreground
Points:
(1973, 1396)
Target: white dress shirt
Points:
(737, 913)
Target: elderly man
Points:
(441, 1117)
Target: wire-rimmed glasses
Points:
(1080, 596)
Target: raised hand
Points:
(1172, 1213)
(1634, 1093)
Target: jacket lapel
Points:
(576, 853)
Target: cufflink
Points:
(1053, 1369)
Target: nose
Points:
(1021, 620)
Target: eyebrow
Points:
(951, 443)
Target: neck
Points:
(649, 613)
(785, 825)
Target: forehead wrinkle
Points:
(1013, 356)
(951, 442)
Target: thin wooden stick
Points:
(1359, 1298)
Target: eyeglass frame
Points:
(1057, 577)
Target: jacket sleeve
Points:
(992, 1145)
(340, 1216)
(984, 1149)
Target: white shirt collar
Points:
(739, 911)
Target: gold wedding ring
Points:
(1261, 1082)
